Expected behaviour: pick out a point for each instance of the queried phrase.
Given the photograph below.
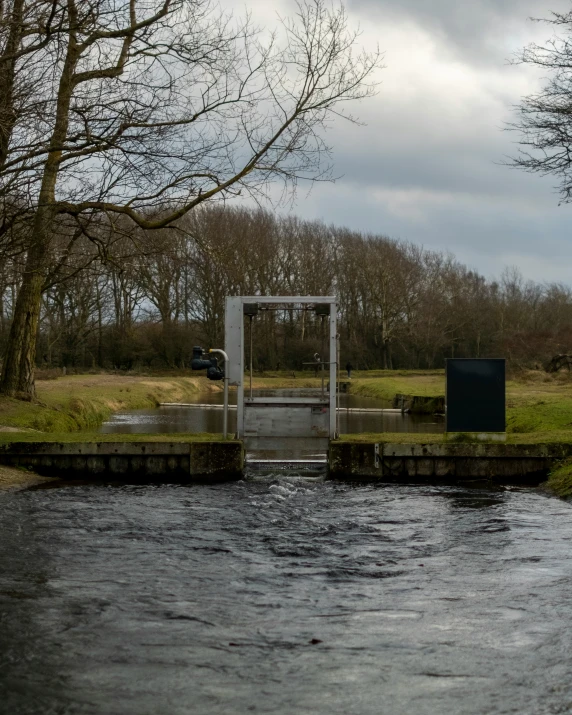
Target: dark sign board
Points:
(475, 395)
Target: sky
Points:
(427, 167)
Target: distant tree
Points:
(400, 306)
(545, 118)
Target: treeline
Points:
(143, 299)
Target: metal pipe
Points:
(226, 380)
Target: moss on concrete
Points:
(446, 462)
(134, 461)
(541, 437)
(70, 437)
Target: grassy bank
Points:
(384, 385)
(538, 404)
(379, 384)
(560, 480)
(83, 402)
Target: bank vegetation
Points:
(83, 402)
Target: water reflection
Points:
(178, 419)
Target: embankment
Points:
(560, 479)
(83, 402)
(11, 478)
(539, 406)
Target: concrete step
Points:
(287, 467)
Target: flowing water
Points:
(179, 419)
(284, 596)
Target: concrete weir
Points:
(445, 462)
(216, 461)
(128, 461)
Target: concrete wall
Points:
(217, 461)
(137, 461)
(495, 463)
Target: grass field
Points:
(537, 403)
(539, 406)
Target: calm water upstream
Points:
(178, 419)
(285, 596)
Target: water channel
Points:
(179, 419)
(284, 596)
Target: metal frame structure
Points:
(276, 409)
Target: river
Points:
(284, 596)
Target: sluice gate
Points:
(277, 429)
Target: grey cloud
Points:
(474, 29)
(426, 168)
(399, 149)
(485, 236)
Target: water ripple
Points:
(284, 596)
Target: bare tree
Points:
(400, 305)
(160, 105)
(545, 118)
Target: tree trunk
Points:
(19, 362)
(387, 359)
(99, 333)
(8, 77)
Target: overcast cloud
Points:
(427, 167)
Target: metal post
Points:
(333, 353)
(337, 385)
(250, 316)
(323, 352)
(226, 381)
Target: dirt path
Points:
(11, 478)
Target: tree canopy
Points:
(122, 114)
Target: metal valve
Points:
(214, 372)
